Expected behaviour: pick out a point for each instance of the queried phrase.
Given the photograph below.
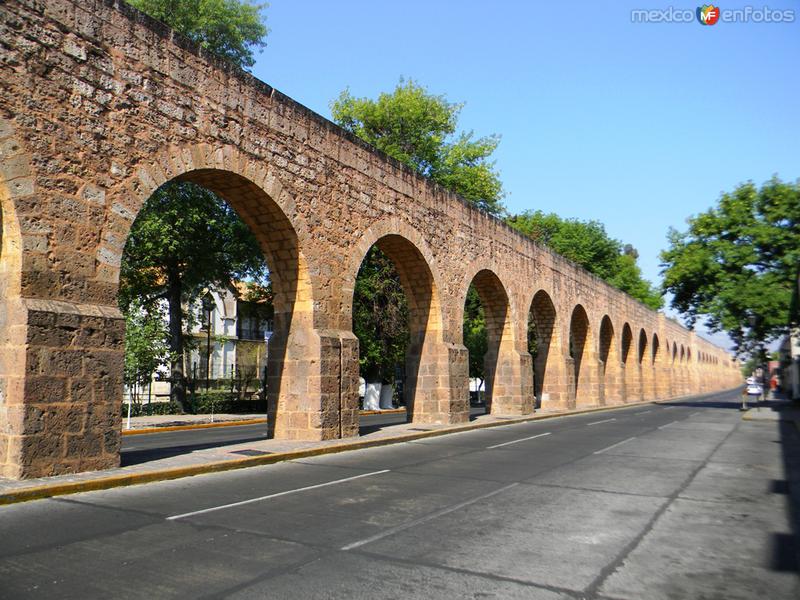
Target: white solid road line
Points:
(286, 493)
(425, 519)
(668, 424)
(517, 441)
(644, 412)
(598, 422)
(615, 445)
(669, 407)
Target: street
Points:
(152, 446)
(672, 501)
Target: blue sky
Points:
(635, 125)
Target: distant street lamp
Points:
(208, 308)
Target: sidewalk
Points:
(774, 410)
(237, 456)
(166, 421)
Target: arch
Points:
(608, 363)
(17, 182)
(645, 370)
(683, 373)
(631, 387)
(543, 329)
(580, 353)
(656, 360)
(673, 368)
(385, 229)
(294, 350)
(423, 361)
(499, 367)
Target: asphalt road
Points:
(152, 446)
(673, 502)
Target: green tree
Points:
(475, 338)
(145, 345)
(588, 244)
(739, 262)
(230, 29)
(380, 318)
(185, 239)
(419, 129)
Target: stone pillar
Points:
(439, 392)
(557, 384)
(312, 384)
(62, 369)
(509, 382)
(614, 383)
(588, 384)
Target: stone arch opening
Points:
(496, 341)
(683, 387)
(411, 371)
(673, 375)
(628, 362)
(609, 364)
(579, 355)
(656, 359)
(284, 364)
(542, 345)
(645, 372)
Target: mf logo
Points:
(708, 14)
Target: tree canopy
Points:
(739, 261)
(420, 129)
(588, 244)
(231, 29)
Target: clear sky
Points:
(635, 125)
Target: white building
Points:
(236, 349)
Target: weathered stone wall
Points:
(101, 105)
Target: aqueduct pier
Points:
(101, 105)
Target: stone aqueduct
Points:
(101, 105)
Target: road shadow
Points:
(137, 457)
(731, 400)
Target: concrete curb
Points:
(146, 430)
(113, 481)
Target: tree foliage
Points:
(380, 318)
(739, 260)
(185, 239)
(475, 338)
(420, 129)
(146, 349)
(232, 29)
(588, 244)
